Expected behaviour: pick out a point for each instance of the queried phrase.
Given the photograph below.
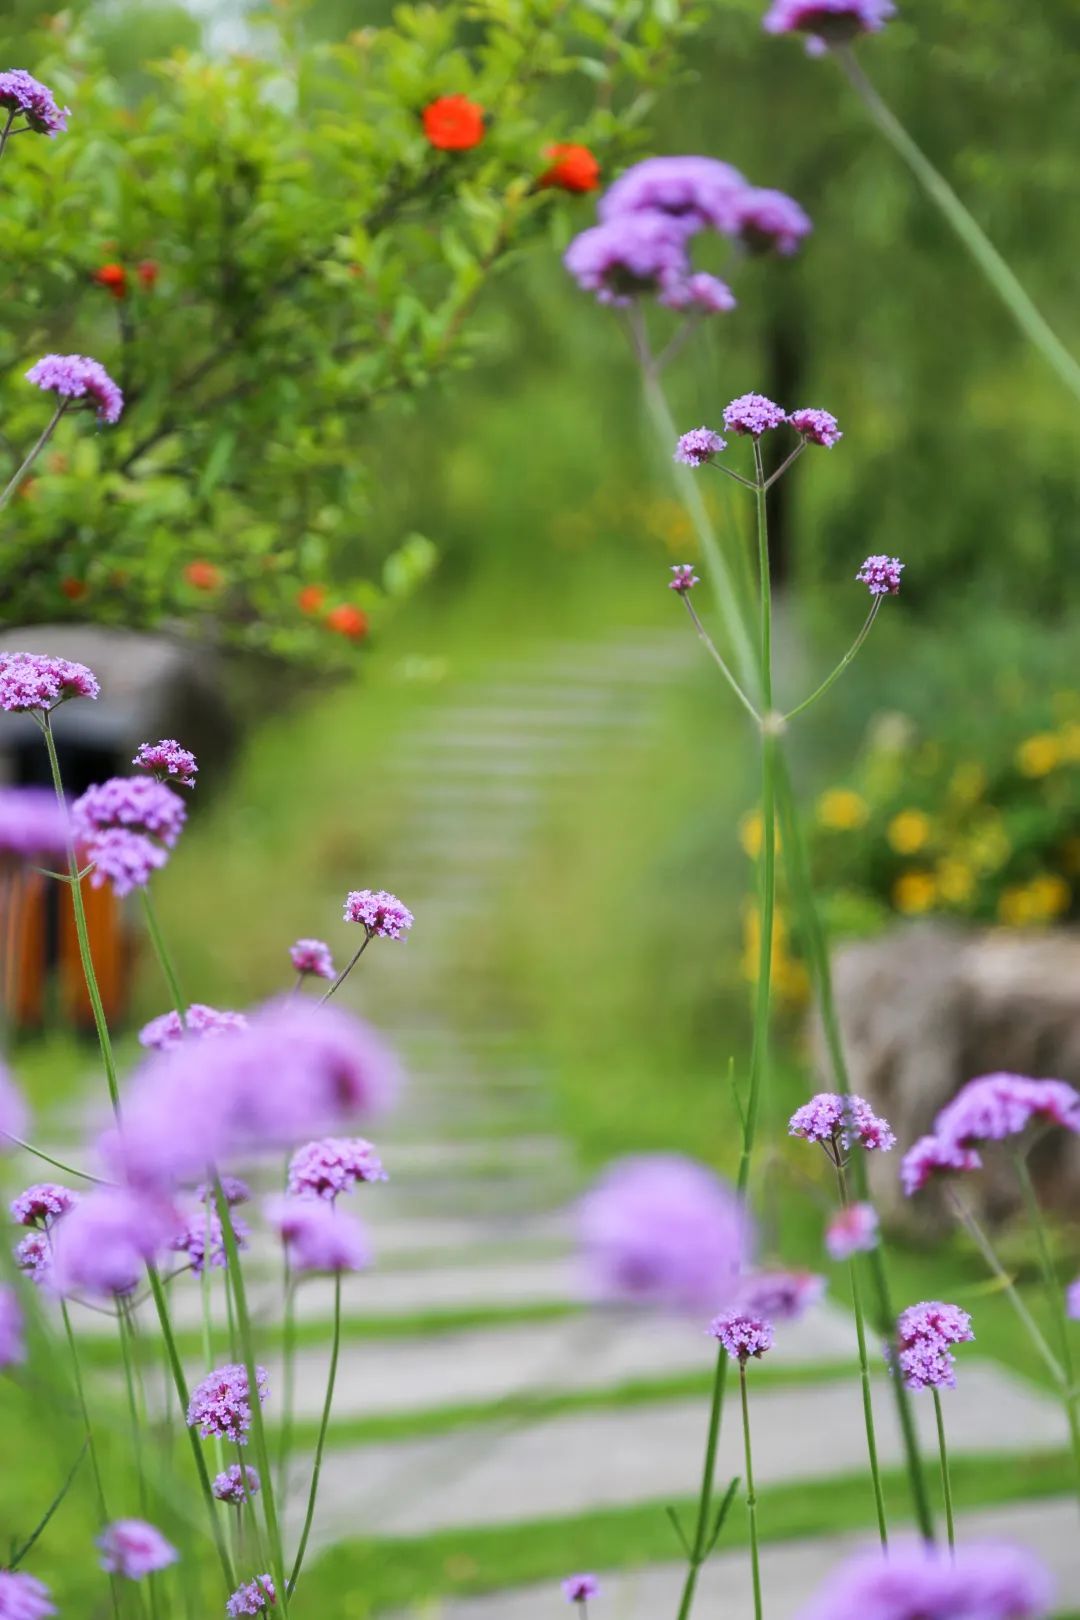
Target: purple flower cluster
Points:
(134, 1548)
(661, 1229)
(126, 826)
(753, 415)
(76, 376)
(881, 575)
(648, 216)
(982, 1581)
(1072, 1300)
(853, 1230)
(992, 1108)
(780, 1296)
(26, 97)
(378, 912)
(165, 1032)
(253, 1598)
(42, 1204)
(221, 1403)
(101, 1246)
(33, 1256)
(828, 22)
(816, 427)
(742, 1334)
(34, 826)
(167, 758)
(838, 1123)
(333, 1165)
(296, 1070)
(580, 1588)
(312, 956)
(36, 682)
(684, 579)
(233, 1190)
(698, 446)
(23, 1597)
(236, 1484)
(202, 1239)
(318, 1237)
(925, 1333)
(12, 1347)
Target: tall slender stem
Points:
(1055, 1301)
(946, 1481)
(288, 1384)
(966, 1217)
(320, 1445)
(717, 658)
(864, 1374)
(161, 951)
(751, 1498)
(82, 932)
(57, 1164)
(764, 580)
(6, 131)
(820, 691)
(346, 970)
(986, 256)
(43, 440)
(27, 1546)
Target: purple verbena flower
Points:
(221, 1403)
(998, 1106)
(742, 1334)
(253, 1598)
(166, 1031)
(202, 1239)
(837, 1123)
(853, 1230)
(931, 1154)
(167, 758)
(26, 97)
(233, 1190)
(138, 803)
(580, 1588)
(12, 1109)
(333, 1165)
(42, 1204)
(816, 427)
(699, 291)
(34, 681)
(34, 826)
(768, 221)
(12, 1346)
(134, 1548)
(924, 1335)
(780, 1296)
(319, 1237)
(684, 578)
(694, 193)
(627, 256)
(75, 376)
(24, 1597)
(102, 1245)
(935, 1319)
(698, 446)
(917, 1581)
(378, 912)
(33, 1256)
(660, 1229)
(1072, 1300)
(753, 414)
(126, 860)
(312, 956)
(236, 1484)
(881, 575)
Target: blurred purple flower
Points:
(998, 1106)
(333, 1165)
(916, 1581)
(816, 427)
(663, 1230)
(700, 291)
(12, 1347)
(753, 414)
(253, 1598)
(42, 1204)
(34, 681)
(695, 193)
(378, 913)
(33, 825)
(163, 1033)
(628, 255)
(318, 1236)
(929, 1155)
(167, 758)
(221, 1403)
(684, 578)
(26, 97)
(101, 1247)
(134, 1548)
(127, 860)
(580, 1588)
(75, 376)
(138, 803)
(853, 1230)
(1072, 1300)
(780, 1296)
(742, 1335)
(236, 1484)
(33, 1256)
(881, 575)
(312, 956)
(202, 1239)
(23, 1597)
(233, 1190)
(698, 446)
(768, 221)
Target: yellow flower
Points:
(750, 834)
(789, 977)
(955, 880)
(1038, 755)
(909, 831)
(968, 782)
(841, 810)
(1069, 738)
(1050, 895)
(914, 892)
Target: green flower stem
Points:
(711, 649)
(82, 933)
(800, 708)
(180, 1382)
(751, 1498)
(946, 1482)
(46, 435)
(161, 951)
(798, 870)
(91, 1444)
(20, 1552)
(864, 1373)
(997, 272)
(57, 1164)
(235, 1279)
(126, 1335)
(288, 1384)
(1055, 1300)
(321, 1442)
(207, 1301)
(967, 1219)
(346, 970)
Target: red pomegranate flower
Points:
(454, 123)
(348, 621)
(73, 589)
(113, 277)
(204, 576)
(574, 168)
(311, 598)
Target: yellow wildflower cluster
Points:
(1027, 905)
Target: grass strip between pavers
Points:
(361, 1577)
